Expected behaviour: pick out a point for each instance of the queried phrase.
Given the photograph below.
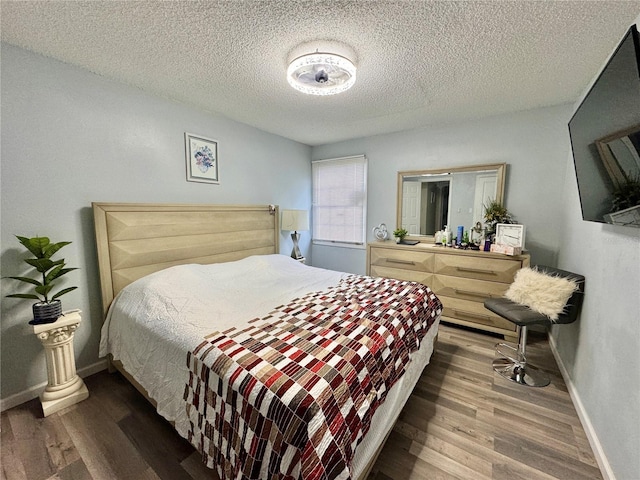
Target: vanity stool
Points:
(512, 362)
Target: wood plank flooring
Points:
(461, 422)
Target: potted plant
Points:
(626, 193)
(400, 233)
(48, 308)
(495, 213)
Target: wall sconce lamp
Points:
(295, 221)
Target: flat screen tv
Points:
(605, 138)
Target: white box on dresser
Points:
(462, 279)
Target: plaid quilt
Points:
(292, 395)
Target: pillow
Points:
(542, 293)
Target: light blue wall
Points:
(532, 143)
(70, 137)
(601, 352)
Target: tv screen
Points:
(605, 138)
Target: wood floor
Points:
(461, 422)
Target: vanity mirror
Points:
(430, 199)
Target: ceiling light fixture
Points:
(321, 73)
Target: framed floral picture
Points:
(202, 159)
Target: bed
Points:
(270, 368)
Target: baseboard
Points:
(33, 392)
(598, 452)
(93, 368)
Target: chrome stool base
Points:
(520, 374)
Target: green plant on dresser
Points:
(400, 233)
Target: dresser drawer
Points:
(466, 288)
(402, 259)
(462, 279)
(472, 313)
(401, 274)
(491, 269)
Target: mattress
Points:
(157, 321)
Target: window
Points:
(339, 203)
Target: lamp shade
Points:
(295, 220)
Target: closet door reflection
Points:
(425, 206)
(437, 211)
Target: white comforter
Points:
(155, 320)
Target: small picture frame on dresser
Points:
(510, 234)
(202, 159)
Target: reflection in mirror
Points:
(620, 154)
(610, 109)
(425, 203)
(430, 199)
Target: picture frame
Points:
(510, 234)
(202, 159)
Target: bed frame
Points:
(136, 239)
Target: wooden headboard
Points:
(136, 239)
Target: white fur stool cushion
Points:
(542, 293)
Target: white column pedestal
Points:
(64, 386)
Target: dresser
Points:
(462, 279)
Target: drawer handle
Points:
(472, 293)
(403, 262)
(476, 270)
(470, 314)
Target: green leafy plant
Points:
(49, 270)
(626, 194)
(494, 213)
(400, 233)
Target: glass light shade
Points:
(295, 220)
(321, 74)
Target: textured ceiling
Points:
(419, 62)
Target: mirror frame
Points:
(501, 173)
(612, 166)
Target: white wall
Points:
(70, 137)
(532, 143)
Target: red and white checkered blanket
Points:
(292, 395)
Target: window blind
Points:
(339, 203)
